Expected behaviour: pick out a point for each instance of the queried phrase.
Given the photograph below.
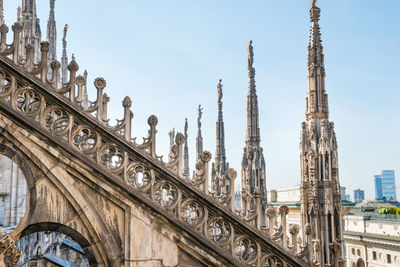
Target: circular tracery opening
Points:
(13, 194)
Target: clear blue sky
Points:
(168, 56)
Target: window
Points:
(374, 255)
(358, 252)
(389, 258)
(353, 251)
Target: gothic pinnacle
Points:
(52, 33)
(29, 7)
(1, 13)
(64, 58)
(254, 192)
(199, 138)
(253, 131)
(220, 156)
(317, 100)
(186, 151)
(85, 100)
(320, 200)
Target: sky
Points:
(168, 56)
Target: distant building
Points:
(378, 186)
(359, 196)
(371, 240)
(347, 198)
(388, 184)
(290, 197)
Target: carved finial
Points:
(100, 83)
(73, 66)
(219, 87)
(179, 138)
(152, 120)
(127, 102)
(250, 55)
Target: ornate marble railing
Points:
(58, 110)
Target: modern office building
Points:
(388, 184)
(378, 186)
(359, 196)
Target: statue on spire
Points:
(199, 138)
(65, 35)
(250, 55)
(200, 110)
(19, 14)
(219, 87)
(186, 151)
(313, 3)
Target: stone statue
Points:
(186, 127)
(219, 87)
(199, 118)
(250, 55)
(313, 3)
(19, 13)
(171, 137)
(65, 35)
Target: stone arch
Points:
(63, 229)
(360, 263)
(36, 158)
(22, 163)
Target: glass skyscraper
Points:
(359, 196)
(388, 184)
(378, 186)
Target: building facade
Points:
(378, 186)
(371, 241)
(388, 184)
(359, 196)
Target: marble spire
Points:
(253, 130)
(29, 8)
(85, 97)
(320, 188)
(317, 100)
(220, 165)
(253, 163)
(199, 138)
(52, 33)
(31, 32)
(1, 12)
(186, 151)
(64, 57)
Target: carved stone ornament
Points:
(11, 255)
